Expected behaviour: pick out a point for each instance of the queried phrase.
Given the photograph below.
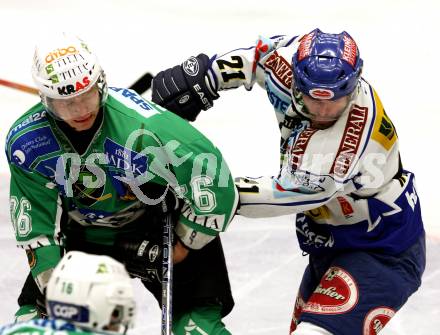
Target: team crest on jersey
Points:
(88, 195)
(376, 320)
(337, 293)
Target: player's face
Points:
(324, 113)
(79, 112)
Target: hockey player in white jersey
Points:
(358, 212)
(86, 294)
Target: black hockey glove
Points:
(143, 257)
(183, 89)
(142, 251)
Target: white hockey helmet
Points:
(91, 291)
(64, 67)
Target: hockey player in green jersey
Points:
(86, 294)
(96, 169)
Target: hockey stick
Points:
(142, 85)
(17, 86)
(167, 276)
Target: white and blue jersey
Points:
(44, 327)
(346, 183)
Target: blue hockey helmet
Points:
(326, 66)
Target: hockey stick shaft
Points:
(142, 85)
(17, 86)
(167, 276)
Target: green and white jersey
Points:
(137, 142)
(44, 327)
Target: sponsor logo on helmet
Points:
(321, 93)
(70, 89)
(49, 69)
(191, 66)
(350, 50)
(376, 320)
(102, 268)
(65, 311)
(54, 55)
(337, 293)
(184, 99)
(54, 79)
(305, 46)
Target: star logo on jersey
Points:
(377, 210)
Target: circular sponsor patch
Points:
(321, 93)
(191, 66)
(337, 293)
(376, 320)
(32, 258)
(299, 304)
(19, 157)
